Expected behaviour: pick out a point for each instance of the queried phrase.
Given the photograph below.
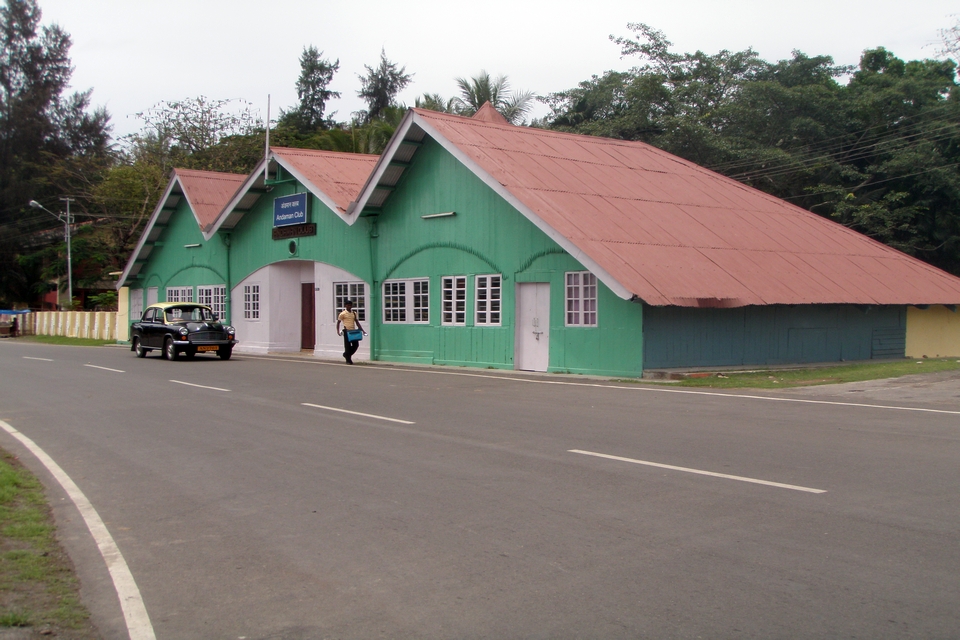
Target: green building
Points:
(476, 243)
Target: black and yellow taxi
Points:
(181, 328)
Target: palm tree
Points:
(436, 102)
(512, 105)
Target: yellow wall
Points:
(123, 314)
(933, 332)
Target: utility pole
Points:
(69, 260)
(67, 221)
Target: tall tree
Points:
(950, 38)
(46, 137)
(379, 88)
(316, 73)
(901, 183)
(481, 88)
(191, 133)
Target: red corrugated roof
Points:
(208, 192)
(338, 175)
(488, 113)
(674, 233)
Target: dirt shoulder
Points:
(939, 390)
(39, 590)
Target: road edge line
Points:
(131, 602)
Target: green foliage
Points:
(879, 153)
(436, 102)
(15, 619)
(379, 88)
(106, 301)
(480, 89)
(192, 131)
(46, 137)
(35, 576)
(316, 74)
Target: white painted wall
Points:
(254, 335)
(284, 305)
(329, 344)
(278, 329)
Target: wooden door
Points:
(308, 316)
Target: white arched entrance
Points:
(271, 309)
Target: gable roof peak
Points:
(488, 113)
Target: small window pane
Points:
(581, 299)
(487, 303)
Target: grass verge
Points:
(38, 587)
(73, 342)
(780, 379)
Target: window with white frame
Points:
(581, 299)
(487, 300)
(454, 296)
(343, 291)
(136, 304)
(215, 297)
(406, 301)
(179, 294)
(421, 301)
(251, 302)
(395, 301)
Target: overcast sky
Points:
(135, 53)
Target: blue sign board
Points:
(289, 210)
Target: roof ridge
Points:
(324, 152)
(209, 173)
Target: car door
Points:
(150, 329)
(139, 328)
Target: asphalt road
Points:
(244, 513)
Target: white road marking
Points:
(699, 471)
(93, 366)
(357, 413)
(686, 391)
(199, 386)
(43, 359)
(623, 388)
(134, 611)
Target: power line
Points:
(875, 182)
(813, 147)
(785, 165)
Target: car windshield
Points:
(189, 314)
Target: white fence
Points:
(97, 325)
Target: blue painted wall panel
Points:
(776, 334)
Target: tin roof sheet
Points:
(208, 192)
(339, 175)
(673, 233)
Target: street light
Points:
(66, 220)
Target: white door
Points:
(532, 339)
(152, 293)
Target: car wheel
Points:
(138, 347)
(225, 353)
(169, 350)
